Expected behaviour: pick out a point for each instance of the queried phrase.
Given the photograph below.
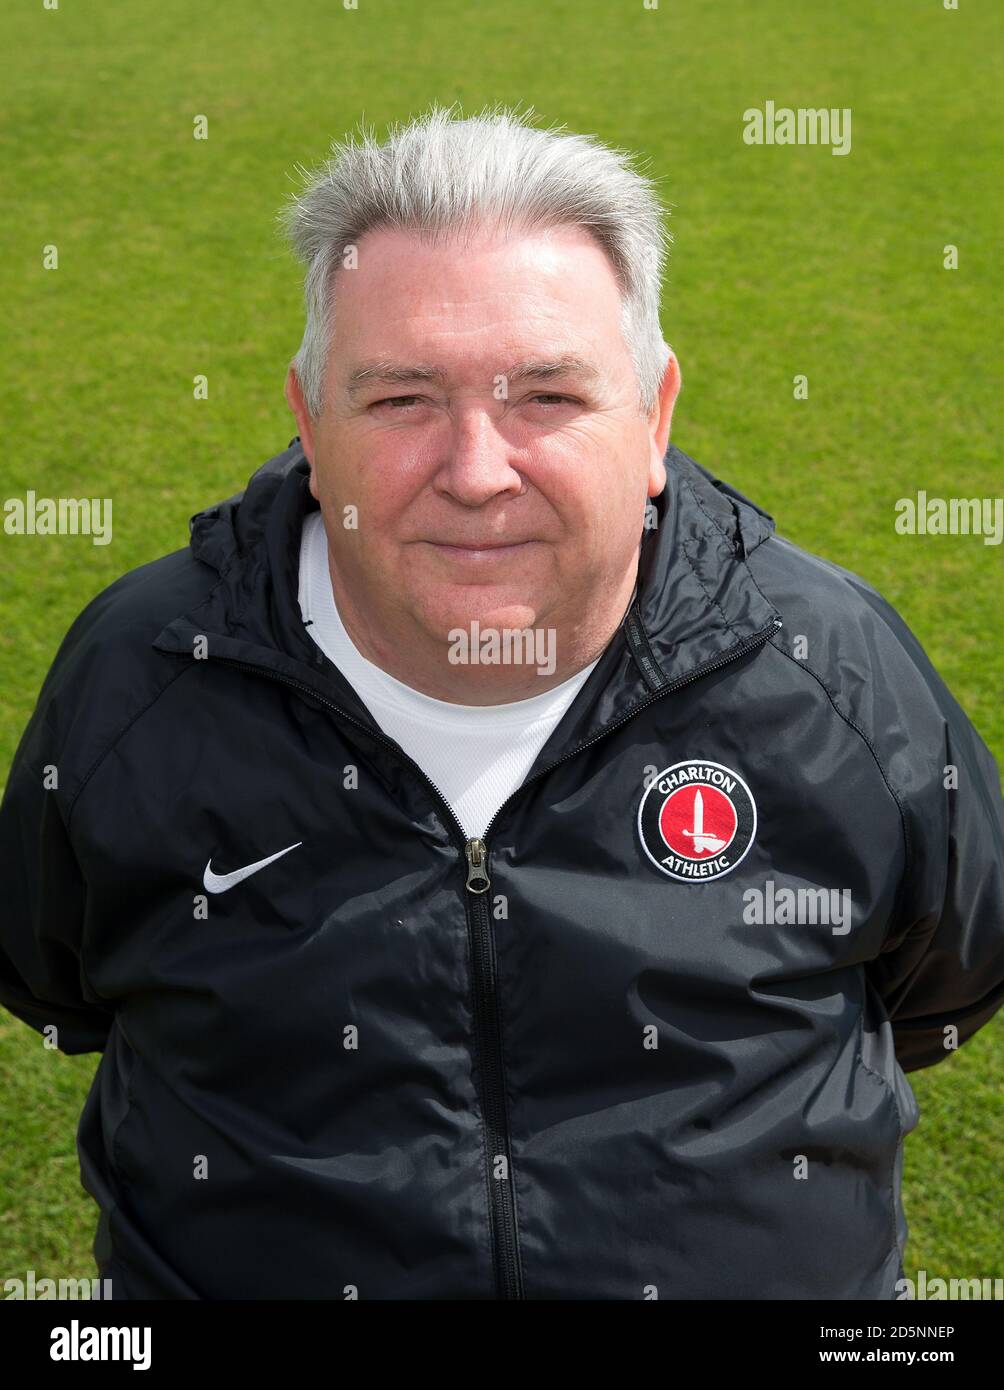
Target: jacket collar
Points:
(696, 602)
(696, 595)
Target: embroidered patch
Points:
(697, 820)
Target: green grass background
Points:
(786, 260)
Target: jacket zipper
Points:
(488, 1022)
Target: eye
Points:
(551, 398)
(396, 402)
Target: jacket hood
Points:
(696, 600)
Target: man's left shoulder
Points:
(852, 640)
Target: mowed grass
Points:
(786, 261)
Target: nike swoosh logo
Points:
(219, 883)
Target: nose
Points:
(477, 461)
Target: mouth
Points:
(479, 549)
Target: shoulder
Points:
(142, 600)
(845, 636)
(837, 622)
(106, 671)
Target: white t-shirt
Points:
(477, 755)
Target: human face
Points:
(481, 414)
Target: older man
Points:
(493, 863)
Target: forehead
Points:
(545, 292)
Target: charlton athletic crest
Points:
(697, 820)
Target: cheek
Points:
(379, 476)
(612, 534)
(598, 494)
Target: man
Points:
(492, 862)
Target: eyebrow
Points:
(387, 373)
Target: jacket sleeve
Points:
(941, 970)
(44, 897)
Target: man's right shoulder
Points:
(139, 603)
(106, 671)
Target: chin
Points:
(487, 607)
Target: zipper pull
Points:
(477, 880)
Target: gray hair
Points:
(440, 174)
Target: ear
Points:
(304, 424)
(659, 420)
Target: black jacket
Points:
(574, 1066)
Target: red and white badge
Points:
(697, 820)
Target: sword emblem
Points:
(704, 842)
